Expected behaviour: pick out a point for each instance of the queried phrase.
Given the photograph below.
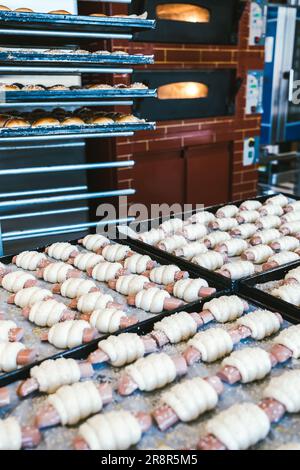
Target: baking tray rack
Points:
(249, 287)
(85, 349)
(71, 25)
(18, 97)
(67, 132)
(71, 59)
(182, 435)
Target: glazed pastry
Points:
(72, 121)
(46, 122)
(16, 122)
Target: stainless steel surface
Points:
(64, 34)
(44, 191)
(43, 213)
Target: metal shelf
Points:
(24, 70)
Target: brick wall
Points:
(179, 134)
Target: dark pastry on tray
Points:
(16, 122)
(46, 122)
(102, 120)
(60, 113)
(4, 8)
(24, 10)
(59, 12)
(8, 87)
(33, 88)
(72, 121)
(129, 118)
(57, 87)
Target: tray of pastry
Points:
(279, 288)
(56, 57)
(36, 302)
(238, 367)
(18, 93)
(25, 18)
(61, 122)
(234, 241)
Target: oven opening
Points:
(182, 12)
(182, 91)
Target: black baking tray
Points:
(247, 287)
(185, 264)
(76, 95)
(23, 20)
(72, 59)
(84, 350)
(74, 130)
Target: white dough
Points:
(151, 300)
(68, 334)
(245, 231)
(235, 246)
(137, 264)
(131, 284)
(212, 344)
(95, 242)
(293, 274)
(47, 313)
(225, 308)
(279, 200)
(290, 338)
(191, 250)
(10, 434)
(227, 211)
(286, 390)
(203, 217)
(75, 287)
(115, 252)
(240, 426)
(123, 349)
(152, 372)
(250, 205)
(272, 209)
(292, 227)
(188, 289)
(194, 231)
(85, 261)
(5, 327)
(117, 430)
(57, 272)
(76, 402)
(54, 373)
(288, 293)
(8, 355)
(284, 257)
(295, 206)
(164, 274)
(61, 251)
(191, 398)
(226, 224)
(178, 327)
(30, 296)
(104, 272)
(288, 243)
(87, 303)
(215, 238)
(171, 226)
(261, 253)
(269, 235)
(172, 243)
(107, 320)
(248, 217)
(252, 363)
(16, 280)
(30, 260)
(239, 269)
(211, 260)
(262, 323)
(152, 237)
(269, 221)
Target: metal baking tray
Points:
(72, 22)
(71, 59)
(257, 287)
(89, 129)
(185, 264)
(182, 435)
(49, 351)
(76, 95)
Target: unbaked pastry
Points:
(188, 289)
(250, 205)
(68, 334)
(164, 274)
(5, 327)
(261, 323)
(30, 296)
(286, 390)
(279, 200)
(57, 272)
(213, 239)
(55, 373)
(151, 300)
(284, 257)
(29, 260)
(225, 308)
(16, 280)
(10, 434)
(73, 287)
(115, 252)
(259, 254)
(211, 260)
(137, 264)
(178, 327)
(194, 231)
(47, 312)
(8, 355)
(212, 344)
(152, 372)
(268, 221)
(252, 363)
(93, 301)
(107, 320)
(131, 284)
(95, 242)
(172, 243)
(123, 349)
(106, 271)
(171, 226)
(290, 338)
(239, 269)
(61, 251)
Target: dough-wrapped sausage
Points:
(211, 260)
(244, 231)
(261, 323)
(238, 269)
(9, 331)
(227, 211)
(94, 242)
(167, 274)
(106, 271)
(250, 205)
(226, 308)
(57, 272)
(154, 300)
(190, 290)
(291, 217)
(252, 363)
(71, 333)
(15, 437)
(30, 260)
(271, 209)
(290, 228)
(203, 217)
(279, 259)
(279, 200)
(233, 247)
(130, 284)
(110, 320)
(290, 338)
(47, 313)
(172, 243)
(61, 251)
(85, 261)
(239, 427)
(194, 232)
(73, 288)
(265, 237)
(123, 349)
(172, 225)
(223, 224)
(213, 239)
(18, 280)
(178, 327)
(293, 276)
(212, 344)
(247, 217)
(268, 221)
(288, 293)
(115, 252)
(29, 296)
(286, 390)
(13, 355)
(285, 244)
(137, 264)
(152, 237)
(258, 254)
(293, 207)
(191, 250)
(87, 303)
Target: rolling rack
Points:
(72, 183)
